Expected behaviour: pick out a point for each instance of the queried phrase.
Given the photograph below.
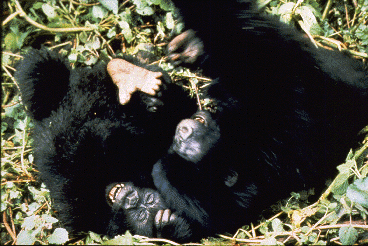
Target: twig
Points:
(328, 6)
(10, 17)
(319, 222)
(50, 29)
(347, 16)
(8, 227)
(159, 240)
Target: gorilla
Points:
(85, 138)
(287, 114)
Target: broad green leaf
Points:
(358, 192)
(348, 235)
(10, 41)
(125, 30)
(59, 236)
(285, 12)
(49, 10)
(25, 238)
(277, 225)
(127, 239)
(96, 237)
(93, 43)
(111, 33)
(29, 223)
(99, 12)
(345, 168)
(110, 5)
(340, 184)
(169, 21)
(269, 241)
(145, 11)
(49, 219)
(83, 37)
(309, 20)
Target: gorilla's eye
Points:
(200, 119)
(150, 198)
(113, 193)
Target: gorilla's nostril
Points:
(185, 131)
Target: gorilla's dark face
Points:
(144, 209)
(140, 205)
(196, 136)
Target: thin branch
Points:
(10, 17)
(50, 29)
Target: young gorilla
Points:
(287, 115)
(85, 138)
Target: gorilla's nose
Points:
(185, 129)
(131, 201)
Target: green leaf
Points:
(169, 21)
(127, 239)
(285, 12)
(269, 241)
(59, 236)
(140, 3)
(93, 43)
(110, 5)
(49, 10)
(358, 192)
(111, 33)
(309, 20)
(340, 184)
(49, 219)
(277, 225)
(10, 41)
(145, 11)
(29, 223)
(4, 126)
(125, 30)
(348, 235)
(95, 237)
(83, 37)
(345, 168)
(25, 238)
(73, 57)
(98, 12)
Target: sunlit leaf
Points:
(99, 12)
(348, 235)
(125, 30)
(110, 5)
(49, 10)
(59, 236)
(25, 238)
(358, 192)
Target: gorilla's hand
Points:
(185, 48)
(130, 78)
(169, 225)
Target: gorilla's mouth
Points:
(190, 151)
(111, 197)
(200, 119)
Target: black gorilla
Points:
(85, 139)
(287, 114)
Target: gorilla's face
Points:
(140, 206)
(196, 136)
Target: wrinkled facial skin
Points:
(196, 136)
(140, 206)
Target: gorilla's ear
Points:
(231, 178)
